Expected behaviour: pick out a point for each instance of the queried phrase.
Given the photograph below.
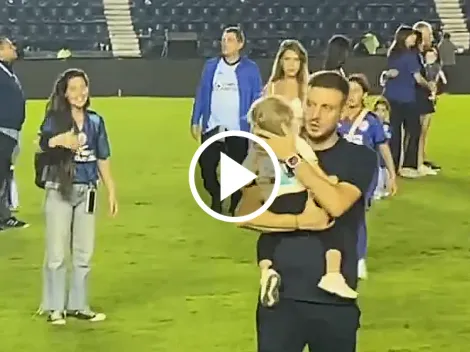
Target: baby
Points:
(434, 72)
(269, 114)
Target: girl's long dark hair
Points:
(337, 52)
(399, 42)
(58, 109)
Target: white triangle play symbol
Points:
(233, 176)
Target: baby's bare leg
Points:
(333, 281)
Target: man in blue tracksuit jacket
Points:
(229, 85)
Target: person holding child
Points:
(274, 117)
(306, 314)
(401, 90)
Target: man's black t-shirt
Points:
(300, 258)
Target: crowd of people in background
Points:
(294, 111)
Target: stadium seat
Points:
(82, 24)
(77, 24)
(267, 21)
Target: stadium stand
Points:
(48, 25)
(266, 23)
(142, 26)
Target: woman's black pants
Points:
(405, 115)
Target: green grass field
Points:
(172, 279)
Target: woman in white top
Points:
(289, 76)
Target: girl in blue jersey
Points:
(76, 143)
(361, 126)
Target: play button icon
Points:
(233, 176)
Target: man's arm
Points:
(312, 217)
(414, 67)
(197, 106)
(257, 82)
(251, 200)
(337, 199)
(388, 158)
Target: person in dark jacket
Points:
(11, 122)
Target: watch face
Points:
(293, 161)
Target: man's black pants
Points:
(291, 325)
(236, 148)
(7, 145)
(406, 115)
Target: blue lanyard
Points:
(89, 176)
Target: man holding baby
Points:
(315, 305)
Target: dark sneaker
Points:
(269, 290)
(56, 317)
(432, 165)
(14, 223)
(87, 315)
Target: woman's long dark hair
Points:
(399, 42)
(337, 52)
(58, 109)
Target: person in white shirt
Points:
(229, 85)
(289, 76)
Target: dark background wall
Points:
(176, 78)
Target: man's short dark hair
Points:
(331, 80)
(238, 33)
(446, 35)
(360, 79)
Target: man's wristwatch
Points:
(293, 161)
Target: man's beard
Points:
(322, 138)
